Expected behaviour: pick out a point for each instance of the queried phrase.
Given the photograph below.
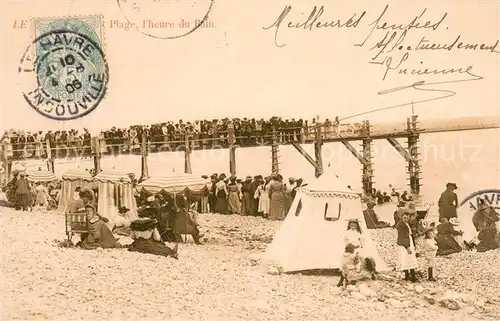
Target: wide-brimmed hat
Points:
(453, 185)
(147, 212)
(354, 220)
(248, 177)
(402, 204)
(143, 225)
(90, 206)
(454, 221)
(428, 229)
(123, 209)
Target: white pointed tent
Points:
(312, 235)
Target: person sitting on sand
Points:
(446, 243)
(99, 233)
(355, 267)
(406, 197)
(371, 218)
(85, 196)
(121, 222)
(147, 239)
(484, 216)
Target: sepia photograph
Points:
(249, 160)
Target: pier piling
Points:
(144, 158)
(274, 154)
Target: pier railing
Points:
(14, 150)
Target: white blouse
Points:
(353, 237)
(146, 234)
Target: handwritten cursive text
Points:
(313, 22)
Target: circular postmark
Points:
(166, 19)
(65, 74)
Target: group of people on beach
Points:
(269, 197)
(418, 236)
(25, 195)
(144, 231)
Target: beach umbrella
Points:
(41, 176)
(175, 183)
(77, 174)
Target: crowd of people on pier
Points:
(19, 144)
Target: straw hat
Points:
(354, 220)
(454, 221)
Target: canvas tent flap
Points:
(113, 176)
(41, 176)
(77, 174)
(175, 183)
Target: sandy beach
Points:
(222, 279)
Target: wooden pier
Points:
(318, 135)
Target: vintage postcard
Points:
(250, 160)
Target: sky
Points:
(232, 67)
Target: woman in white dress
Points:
(262, 193)
(407, 254)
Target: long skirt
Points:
(234, 203)
(407, 261)
(277, 206)
(264, 203)
(150, 246)
(247, 204)
(447, 245)
(221, 205)
(100, 236)
(204, 204)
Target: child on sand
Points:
(430, 251)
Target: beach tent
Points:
(175, 183)
(312, 235)
(41, 176)
(70, 181)
(115, 190)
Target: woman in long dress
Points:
(447, 244)
(407, 255)
(99, 233)
(221, 192)
(277, 199)
(262, 193)
(234, 196)
(147, 239)
(42, 196)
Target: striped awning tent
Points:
(113, 176)
(77, 174)
(175, 183)
(41, 176)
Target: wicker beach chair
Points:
(76, 223)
